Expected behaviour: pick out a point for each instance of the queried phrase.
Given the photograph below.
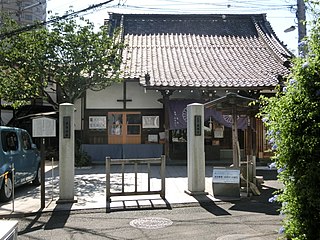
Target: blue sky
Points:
(280, 13)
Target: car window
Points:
(26, 141)
(9, 141)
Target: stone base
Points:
(195, 193)
(65, 201)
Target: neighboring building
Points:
(25, 11)
(169, 62)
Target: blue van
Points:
(17, 151)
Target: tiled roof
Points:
(207, 51)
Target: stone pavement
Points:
(90, 184)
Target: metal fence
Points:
(135, 163)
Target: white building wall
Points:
(107, 98)
(142, 99)
(77, 115)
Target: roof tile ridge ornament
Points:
(271, 37)
(146, 78)
(121, 27)
(288, 53)
(269, 43)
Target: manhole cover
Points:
(151, 222)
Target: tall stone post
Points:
(196, 156)
(66, 153)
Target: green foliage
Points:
(68, 57)
(82, 159)
(292, 118)
(21, 64)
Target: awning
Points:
(235, 105)
(178, 115)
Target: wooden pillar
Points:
(249, 150)
(235, 144)
(166, 95)
(254, 135)
(259, 138)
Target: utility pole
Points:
(22, 9)
(19, 12)
(302, 27)
(0, 112)
(301, 16)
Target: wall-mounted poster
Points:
(153, 138)
(218, 132)
(150, 121)
(97, 122)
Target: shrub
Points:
(82, 159)
(292, 118)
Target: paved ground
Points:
(221, 221)
(90, 185)
(182, 216)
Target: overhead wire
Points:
(122, 4)
(180, 6)
(203, 6)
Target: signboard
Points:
(97, 122)
(152, 138)
(226, 175)
(150, 121)
(43, 127)
(218, 133)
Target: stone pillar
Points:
(66, 153)
(196, 156)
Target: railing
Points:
(135, 162)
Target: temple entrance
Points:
(124, 128)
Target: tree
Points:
(21, 64)
(292, 118)
(69, 58)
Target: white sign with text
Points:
(225, 175)
(43, 127)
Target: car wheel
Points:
(6, 189)
(37, 180)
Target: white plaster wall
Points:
(141, 98)
(77, 115)
(107, 98)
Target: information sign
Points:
(43, 127)
(225, 175)
(97, 122)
